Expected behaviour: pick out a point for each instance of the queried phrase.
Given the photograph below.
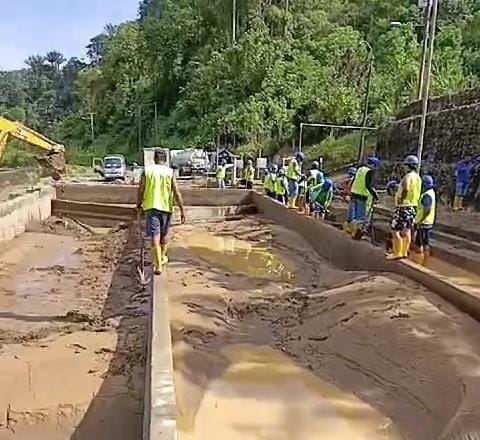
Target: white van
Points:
(114, 167)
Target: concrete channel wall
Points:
(18, 213)
(342, 251)
(127, 195)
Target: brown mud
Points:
(272, 342)
(73, 326)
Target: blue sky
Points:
(29, 27)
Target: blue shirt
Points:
(464, 171)
(427, 202)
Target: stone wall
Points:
(453, 130)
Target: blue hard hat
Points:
(428, 182)
(392, 187)
(316, 165)
(300, 156)
(328, 184)
(411, 160)
(351, 172)
(374, 162)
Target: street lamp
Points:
(433, 4)
(371, 60)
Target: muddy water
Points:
(454, 274)
(72, 337)
(239, 256)
(30, 270)
(251, 391)
(263, 394)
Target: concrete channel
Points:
(265, 326)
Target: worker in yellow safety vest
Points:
(281, 187)
(157, 193)
(362, 194)
(221, 174)
(425, 220)
(294, 175)
(269, 182)
(403, 219)
(249, 174)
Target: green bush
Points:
(341, 151)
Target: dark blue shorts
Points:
(157, 222)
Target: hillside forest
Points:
(181, 75)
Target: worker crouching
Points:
(362, 192)
(321, 196)
(156, 195)
(425, 220)
(403, 219)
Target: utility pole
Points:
(426, 31)
(234, 21)
(366, 103)
(92, 127)
(156, 124)
(139, 123)
(287, 8)
(426, 87)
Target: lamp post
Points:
(427, 78)
(371, 60)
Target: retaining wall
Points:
(18, 213)
(335, 246)
(127, 194)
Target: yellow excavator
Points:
(54, 159)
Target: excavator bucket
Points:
(54, 164)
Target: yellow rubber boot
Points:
(156, 259)
(164, 255)
(418, 256)
(292, 202)
(406, 243)
(396, 249)
(457, 203)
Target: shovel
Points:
(143, 278)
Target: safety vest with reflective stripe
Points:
(430, 219)
(269, 183)
(293, 170)
(250, 174)
(280, 186)
(158, 192)
(359, 185)
(221, 172)
(414, 191)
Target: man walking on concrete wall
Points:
(156, 195)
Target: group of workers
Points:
(248, 174)
(415, 200)
(310, 193)
(415, 207)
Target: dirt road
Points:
(72, 336)
(272, 342)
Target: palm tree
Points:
(55, 59)
(35, 62)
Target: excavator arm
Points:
(53, 160)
